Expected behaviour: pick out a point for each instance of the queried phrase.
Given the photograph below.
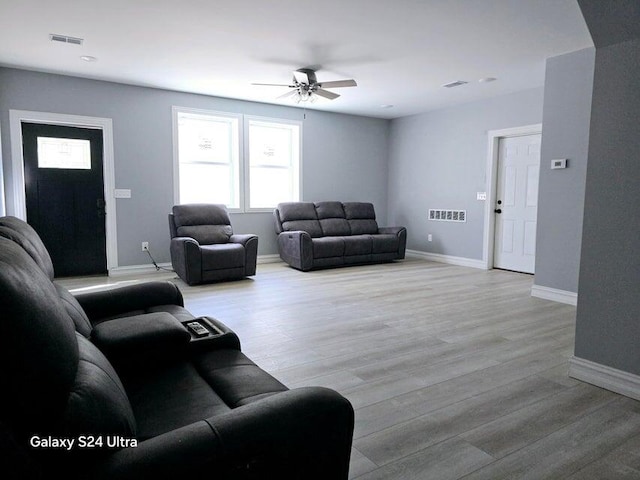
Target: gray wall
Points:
(565, 134)
(344, 157)
(438, 160)
(607, 327)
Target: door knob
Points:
(498, 210)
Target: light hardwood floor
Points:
(453, 372)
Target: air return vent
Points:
(457, 83)
(448, 215)
(54, 37)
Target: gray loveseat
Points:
(330, 234)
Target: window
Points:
(69, 153)
(274, 161)
(208, 158)
(248, 166)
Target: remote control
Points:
(197, 329)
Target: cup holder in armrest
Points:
(201, 327)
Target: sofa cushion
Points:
(171, 397)
(332, 227)
(97, 403)
(206, 234)
(236, 378)
(361, 217)
(328, 247)
(357, 245)
(312, 227)
(329, 210)
(206, 223)
(385, 243)
(75, 311)
(332, 219)
(227, 255)
(38, 347)
(24, 235)
(300, 216)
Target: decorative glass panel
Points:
(69, 153)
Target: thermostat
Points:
(558, 163)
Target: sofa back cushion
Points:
(38, 347)
(300, 216)
(332, 219)
(361, 217)
(24, 235)
(97, 403)
(205, 223)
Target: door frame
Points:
(494, 137)
(19, 208)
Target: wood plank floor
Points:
(453, 372)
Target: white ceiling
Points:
(399, 51)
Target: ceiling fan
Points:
(306, 86)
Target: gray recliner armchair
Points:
(204, 247)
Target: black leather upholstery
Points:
(332, 234)
(204, 248)
(195, 408)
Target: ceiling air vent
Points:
(457, 83)
(54, 37)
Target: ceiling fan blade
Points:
(274, 85)
(290, 93)
(301, 77)
(325, 93)
(338, 83)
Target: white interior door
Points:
(516, 206)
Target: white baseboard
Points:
(617, 381)
(137, 269)
(143, 269)
(554, 294)
(449, 259)
(271, 258)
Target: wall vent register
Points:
(448, 215)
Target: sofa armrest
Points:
(300, 433)
(401, 232)
(141, 339)
(186, 259)
(296, 248)
(226, 339)
(250, 243)
(109, 303)
(192, 451)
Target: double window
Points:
(246, 163)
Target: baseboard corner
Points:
(554, 294)
(603, 376)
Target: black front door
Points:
(65, 195)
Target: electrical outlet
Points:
(430, 238)
(145, 246)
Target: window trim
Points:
(247, 160)
(175, 111)
(244, 164)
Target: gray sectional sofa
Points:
(330, 234)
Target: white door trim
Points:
(494, 137)
(19, 209)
